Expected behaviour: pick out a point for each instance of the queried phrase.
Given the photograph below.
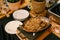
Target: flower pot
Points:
(14, 6)
(38, 6)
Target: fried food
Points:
(55, 28)
(35, 24)
(55, 19)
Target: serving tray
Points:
(27, 35)
(38, 36)
(55, 10)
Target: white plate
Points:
(11, 26)
(20, 14)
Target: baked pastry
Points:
(5, 9)
(34, 14)
(35, 24)
(55, 19)
(55, 28)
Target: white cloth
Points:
(58, 1)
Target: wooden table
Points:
(44, 35)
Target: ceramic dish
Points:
(21, 14)
(11, 26)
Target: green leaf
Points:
(39, 0)
(12, 1)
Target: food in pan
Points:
(36, 24)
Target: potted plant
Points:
(38, 5)
(39, 0)
(14, 4)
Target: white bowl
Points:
(21, 14)
(12, 26)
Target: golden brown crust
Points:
(34, 24)
(55, 28)
(55, 19)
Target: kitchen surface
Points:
(29, 19)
